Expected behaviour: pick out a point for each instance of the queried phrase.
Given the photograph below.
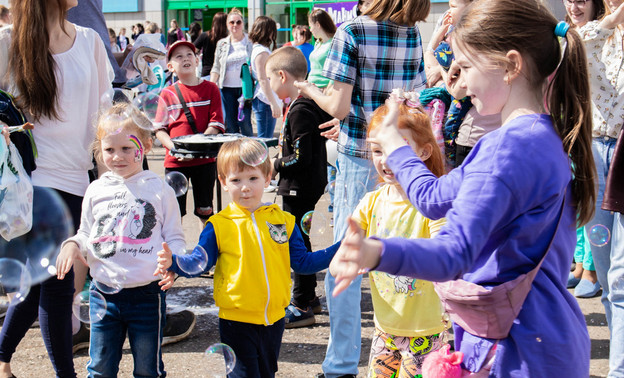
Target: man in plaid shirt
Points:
(369, 56)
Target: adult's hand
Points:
(332, 129)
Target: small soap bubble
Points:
(539, 339)
(313, 223)
(257, 152)
(196, 264)
(84, 312)
(599, 235)
(178, 182)
(220, 359)
(353, 193)
(14, 278)
(109, 288)
(156, 109)
(331, 187)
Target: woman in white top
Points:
(266, 106)
(230, 54)
(58, 71)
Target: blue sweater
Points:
(502, 207)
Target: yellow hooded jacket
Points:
(252, 277)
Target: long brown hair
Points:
(494, 27)
(401, 12)
(419, 125)
(219, 27)
(31, 64)
(324, 19)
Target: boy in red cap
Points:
(203, 100)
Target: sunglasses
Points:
(237, 22)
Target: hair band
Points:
(562, 29)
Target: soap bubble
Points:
(257, 154)
(15, 279)
(313, 223)
(331, 188)
(113, 96)
(178, 182)
(599, 235)
(221, 359)
(82, 309)
(159, 109)
(195, 265)
(38, 249)
(109, 288)
(353, 193)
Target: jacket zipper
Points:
(266, 276)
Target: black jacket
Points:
(303, 165)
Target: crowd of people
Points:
(473, 169)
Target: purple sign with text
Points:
(340, 12)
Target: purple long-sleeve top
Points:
(502, 206)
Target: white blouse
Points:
(83, 75)
(605, 58)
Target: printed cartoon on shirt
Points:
(125, 229)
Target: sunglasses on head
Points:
(237, 22)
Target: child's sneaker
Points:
(178, 326)
(81, 339)
(296, 317)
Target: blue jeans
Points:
(140, 312)
(265, 123)
(345, 344)
(256, 347)
(609, 259)
(230, 104)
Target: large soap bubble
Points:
(221, 359)
(38, 249)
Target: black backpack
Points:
(23, 140)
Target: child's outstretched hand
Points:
(356, 255)
(167, 281)
(387, 134)
(165, 257)
(65, 259)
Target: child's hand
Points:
(333, 131)
(65, 259)
(453, 82)
(165, 258)
(356, 255)
(167, 281)
(387, 134)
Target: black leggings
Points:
(52, 301)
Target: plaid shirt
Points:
(375, 58)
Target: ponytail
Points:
(570, 107)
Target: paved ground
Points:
(302, 349)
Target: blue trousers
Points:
(265, 123)
(230, 104)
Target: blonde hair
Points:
(289, 59)
(121, 116)
(233, 157)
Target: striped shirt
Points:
(374, 57)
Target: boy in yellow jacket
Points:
(254, 246)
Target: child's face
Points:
(456, 8)
(183, 62)
(277, 81)
(246, 187)
(121, 155)
(379, 157)
(484, 81)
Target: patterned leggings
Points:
(400, 356)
